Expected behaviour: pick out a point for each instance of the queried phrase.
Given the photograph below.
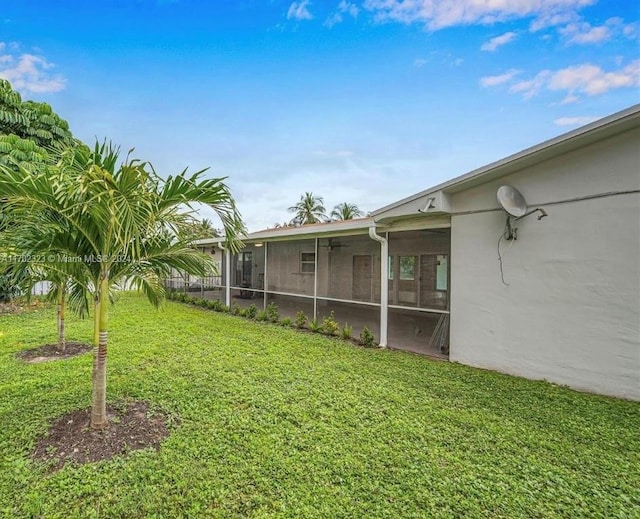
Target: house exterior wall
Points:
(570, 313)
(336, 276)
(284, 272)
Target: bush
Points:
(286, 322)
(329, 324)
(179, 296)
(367, 338)
(189, 299)
(300, 320)
(347, 332)
(199, 301)
(251, 311)
(235, 309)
(315, 326)
(213, 304)
(262, 316)
(224, 308)
(273, 314)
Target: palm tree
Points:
(125, 222)
(309, 209)
(346, 211)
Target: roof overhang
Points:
(436, 199)
(310, 231)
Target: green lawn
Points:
(279, 423)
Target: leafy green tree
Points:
(200, 230)
(310, 209)
(346, 211)
(30, 134)
(28, 129)
(126, 222)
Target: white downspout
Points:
(384, 284)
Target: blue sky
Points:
(358, 101)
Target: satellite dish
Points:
(512, 201)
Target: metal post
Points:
(315, 283)
(227, 275)
(264, 277)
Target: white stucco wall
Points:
(571, 311)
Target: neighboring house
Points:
(434, 273)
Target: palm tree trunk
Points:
(96, 321)
(61, 315)
(99, 400)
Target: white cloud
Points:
(489, 81)
(437, 14)
(344, 8)
(592, 80)
(585, 79)
(553, 19)
(334, 19)
(583, 33)
(419, 62)
(631, 30)
(30, 73)
(575, 121)
(570, 98)
(299, 11)
(498, 41)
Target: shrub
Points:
(262, 316)
(235, 309)
(199, 301)
(212, 304)
(224, 308)
(329, 324)
(286, 322)
(315, 326)
(367, 338)
(347, 332)
(273, 314)
(300, 320)
(251, 311)
(179, 296)
(189, 299)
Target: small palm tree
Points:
(346, 211)
(310, 209)
(125, 222)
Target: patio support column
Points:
(384, 284)
(264, 278)
(202, 282)
(227, 277)
(315, 282)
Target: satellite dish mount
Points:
(514, 204)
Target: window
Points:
(441, 272)
(407, 268)
(308, 262)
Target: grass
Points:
(278, 423)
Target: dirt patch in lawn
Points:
(49, 352)
(71, 440)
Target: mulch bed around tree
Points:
(70, 439)
(48, 352)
